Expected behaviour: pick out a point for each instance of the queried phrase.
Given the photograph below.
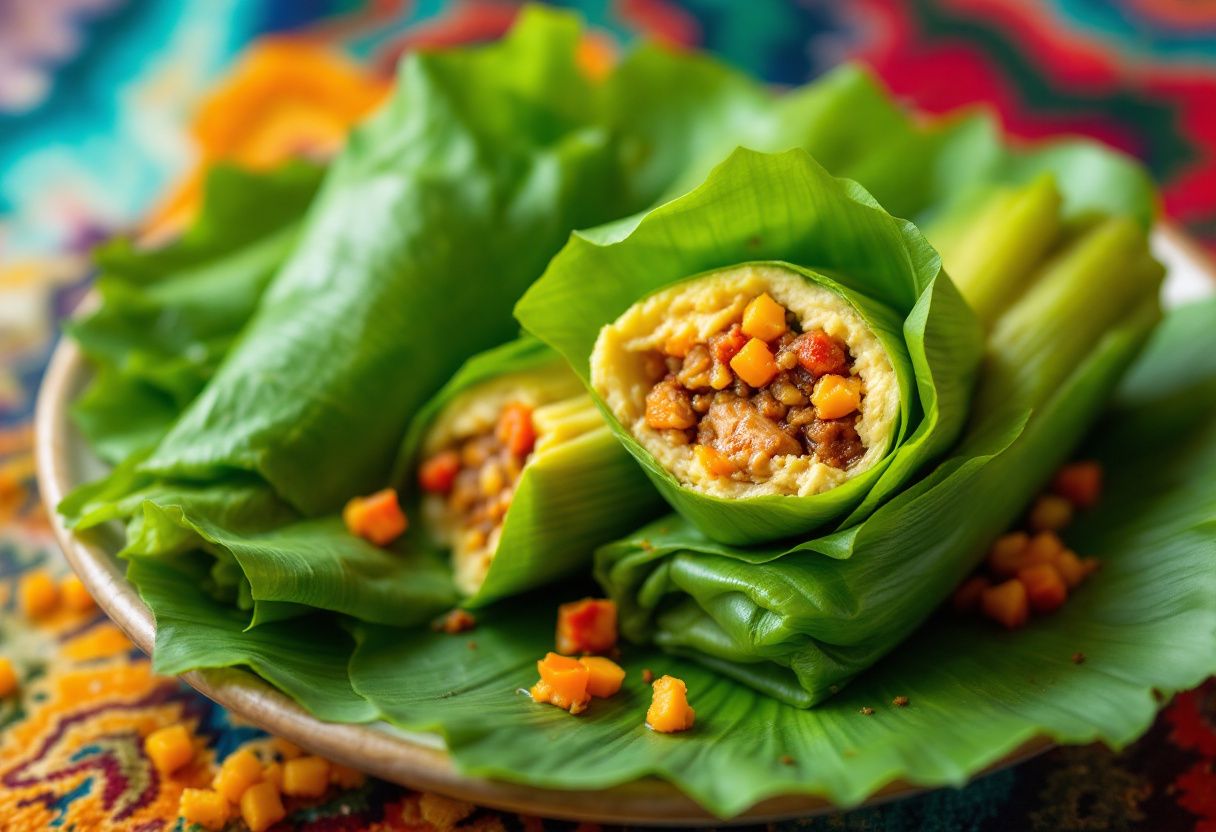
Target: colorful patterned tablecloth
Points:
(110, 110)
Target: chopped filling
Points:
(669, 711)
(757, 389)
(477, 475)
(586, 626)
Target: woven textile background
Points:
(110, 109)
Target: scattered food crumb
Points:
(866, 710)
(443, 812)
(1078, 657)
(900, 701)
(647, 546)
(455, 622)
(647, 675)
(787, 760)
(472, 645)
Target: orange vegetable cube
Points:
(586, 626)
(443, 813)
(836, 396)
(1050, 513)
(604, 676)
(438, 473)
(1045, 588)
(1005, 556)
(345, 777)
(169, 748)
(713, 461)
(377, 518)
(273, 774)
(1070, 568)
(37, 593)
(75, 596)
(8, 678)
(1080, 483)
(1006, 603)
(563, 682)
(206, 808)
(679, 344)
(515, 429)
(240, 770)
(819, 353)
(764, 318)
(306, 776)
(1044, 547)
(755, 363)
(261, 807)
(669, 711)
(967, 596)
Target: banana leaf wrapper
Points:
(576, 489)
(785, 208)
(799, 622)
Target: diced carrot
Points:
(605, 676)
(1006, 603)
(755, 363)
(202, 806)
(8, 678)
(306, 777)
(967, 596)
(820, 354)
(261, 807)
(1070, 568)
(836, 396)
(563, 682)
(169, 748)
(764, 318)
(1050, 514)
(1044, 548)
(273, 774)
(669, 711)
(586, 626)
(713, 461)
(240, 770)
(1045, 588)
(679, 344)
(345, 777)
(1080, 483)
(37, 593)
(1006, 554)
(437, 474)
(75, 596)
(515, 429)
(377, 518)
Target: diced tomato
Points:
(586, 626)
(438, 473)
(726, 345)
(820, 354)
(1080, 483)
(515, 429)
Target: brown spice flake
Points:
(900, 701)
(866, 710)
(1078, 657)
(472, 645)
(787, 760)
(455, 622)
(647, 675)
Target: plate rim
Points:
(395, 757)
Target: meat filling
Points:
(758, 389)
(478, 474)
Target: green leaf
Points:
(167, 315)
(782, 207)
